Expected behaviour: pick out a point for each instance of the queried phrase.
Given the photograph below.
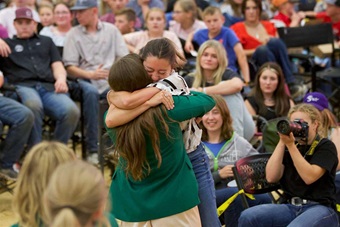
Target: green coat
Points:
(171, 188)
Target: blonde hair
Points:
(200, 80)
(75, 193)
(190, 6)
(33, 178)
(311, 111)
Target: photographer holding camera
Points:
(305, 166)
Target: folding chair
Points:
(249, 173)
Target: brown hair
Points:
(211, 10)
(128, 12)
(258, 3)
(227, 126)
(128, 74)
(163, 48)
(282, 100)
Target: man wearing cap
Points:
(7, 16)
(90, 49)
(287, 14)
(35, 68)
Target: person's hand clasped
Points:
(164, 97)
(60, 86)
(226, 171)
(100, 73)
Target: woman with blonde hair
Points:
(305, 167)
(76, 196)
(213, 77)
(33, 178)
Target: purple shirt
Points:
(3, 32)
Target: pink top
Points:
(249, 42)
(184, 33)
(140, 38)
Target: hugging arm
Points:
(117, 116)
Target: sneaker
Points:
(93, 158)
(9, 174)
(297, 91)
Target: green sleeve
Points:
(190, 106)
(110, 131)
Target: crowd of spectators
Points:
(56, 53)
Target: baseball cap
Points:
(277, 3)
(333, 2)
(317, 99)
(23, 13)
(84, 4)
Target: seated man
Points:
(90, 49)
(35, 67)
(20, 121)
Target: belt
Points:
(297, 201)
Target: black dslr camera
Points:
(298, 127)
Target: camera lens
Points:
(283, 126)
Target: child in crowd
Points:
(76, 195)
(34, 176)
(214, 20)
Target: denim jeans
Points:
(20, 120)
(231, 215)
(275, 51)
(58, 106)
(206, 189)
(89, 93)
(289, 215)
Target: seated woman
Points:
(268, 97)
(224, 147)
(63, 24)
(260, 42)
(76, 195)
(213, 77)
(306, 168)
(155, 23)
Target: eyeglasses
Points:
(61, 13)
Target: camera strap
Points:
(314, 144)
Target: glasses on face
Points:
(61, 13)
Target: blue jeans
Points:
(231, 215)
(289, 215)
(275, 51)
(206, 189)
(89, 93)
(20, 120)
(58, 106)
